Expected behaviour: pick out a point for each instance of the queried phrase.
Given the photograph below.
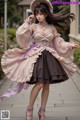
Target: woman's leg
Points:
(34, 92)
(44, 98)
(44, 95)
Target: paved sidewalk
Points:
(63, 102)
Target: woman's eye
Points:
(40, 13)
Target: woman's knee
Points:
(46, 86)
(40, 85)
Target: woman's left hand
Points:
(74, 45)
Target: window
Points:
(28, 12)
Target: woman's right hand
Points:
(31, 18)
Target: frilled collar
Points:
(43, 23)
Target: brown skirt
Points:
(47, 70)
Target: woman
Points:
(44, 59)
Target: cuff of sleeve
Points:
(70, 46)
(57, 35)
(28, 21)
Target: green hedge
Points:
(11, 32)
(77, 56)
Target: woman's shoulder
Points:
(53, 28)
(55, 31)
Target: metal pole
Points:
(5, 23)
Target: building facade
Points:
(75, 25)
(25, 6)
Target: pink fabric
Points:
(62, 47)
(26, 53)
(19, 86)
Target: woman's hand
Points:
(74, 45)
(31, 18)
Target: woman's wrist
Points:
(71, 45)
(57, 35)
(27, 21)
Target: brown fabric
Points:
(48, 70)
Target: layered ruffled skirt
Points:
(47, 70)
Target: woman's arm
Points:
(24, 34)
(63, 48)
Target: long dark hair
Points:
(60, 20)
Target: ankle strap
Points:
(42, 109)
(29, 108)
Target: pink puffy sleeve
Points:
(63, 48)
(24, 34)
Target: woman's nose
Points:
(38, 16)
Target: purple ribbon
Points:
(15, 90)
(26, 53)
(34, 45)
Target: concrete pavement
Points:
(63, 102)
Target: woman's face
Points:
(40, 17)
